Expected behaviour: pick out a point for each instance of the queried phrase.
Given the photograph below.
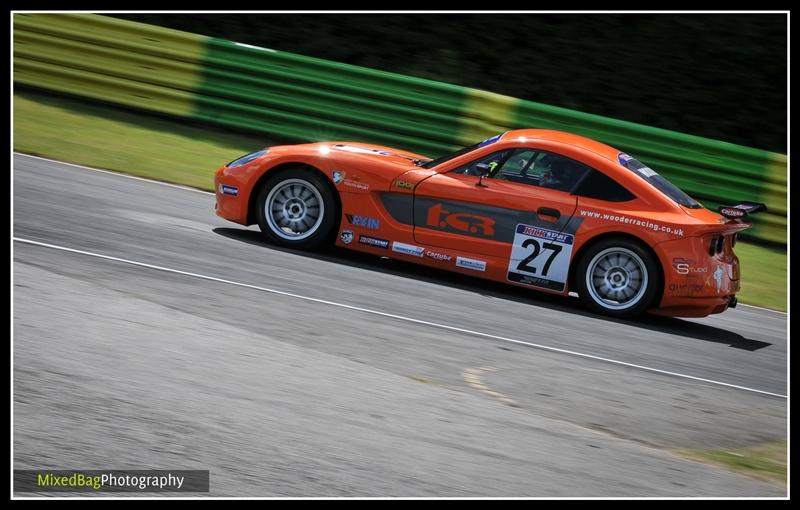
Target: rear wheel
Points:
(617, 277)
(296, 208)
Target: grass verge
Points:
(174, 151)
(124, 141)
(764, 276)
(766, 460)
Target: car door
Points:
(516, 212)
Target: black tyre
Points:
(296, 208)
(617, 277)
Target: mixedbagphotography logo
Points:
(32, 480)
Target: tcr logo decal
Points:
(468, 223)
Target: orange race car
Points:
(546, 210)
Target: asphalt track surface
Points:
(339, 374)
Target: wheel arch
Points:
(252, 201)
(624, 235)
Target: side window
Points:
(530, 166)
(515, 165)
(493, 160)
(550, 170)
(600, 186)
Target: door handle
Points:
(547, 211)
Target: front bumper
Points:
(231, 197)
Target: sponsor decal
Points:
(685, 289)
(373, 241)
(363, 221)
(438, 256)
(398, 183)
(339, 178)
(624, 158)
(408, 249)
(346, 236)
(356, 184)
(617, 218)
(228, 190)
(361, 150)
(473, 224)
(410, 210)
(491, 140)
(718, 277)
(741, 210)
(476, 265)
(732, 212)
(540, 257)
(647, 171)
(684, 266)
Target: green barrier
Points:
(97, 57)
(308, 99)
(313, 99)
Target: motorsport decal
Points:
(718, 277)
(366, 150)
(435, 255)
(540, 257)
(228, 190)
(621, 218)
(686, 289)
(373, 241)
(468, 218)
(339, 178)
(363, 221)
(361, 150)
(624, 159)
(408, 249)
(491, 140)
(474, 224)
(476, 265)
(684, 266)
(741, 210)
(346, 236)
(399, 183)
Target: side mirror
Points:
(483, 169)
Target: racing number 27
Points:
(524, 263)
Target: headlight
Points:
(247, 158)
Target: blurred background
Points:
(718, 76)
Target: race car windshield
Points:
(447, 157)
(662, 184)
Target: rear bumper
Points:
(697, 283)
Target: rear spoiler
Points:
(741, 210)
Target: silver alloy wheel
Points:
(616, 278)
(294, 209)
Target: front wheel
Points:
(617, 277)
(296, 209)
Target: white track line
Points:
(762, 308)
(186, 188)
(109, 172)
(393, 316)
